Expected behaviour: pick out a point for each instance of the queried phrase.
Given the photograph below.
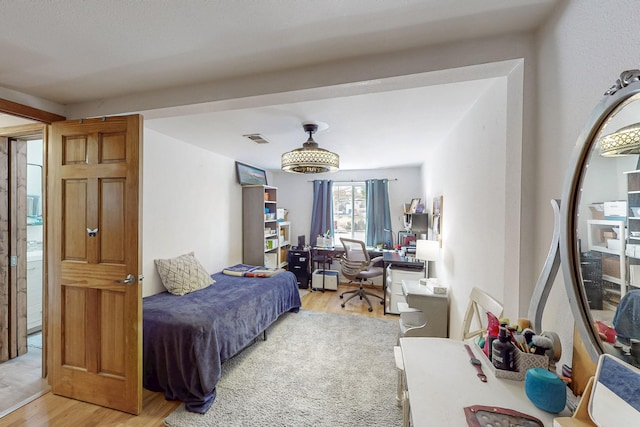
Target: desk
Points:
(337, 251)
(398, 268)
(322, 256)
(393, 257)
(442, 382)
(325, 255)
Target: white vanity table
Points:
(442, 382)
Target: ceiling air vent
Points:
(257, 138)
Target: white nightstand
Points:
(425, 314)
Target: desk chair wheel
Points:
(342, 305)
(370, 309)
(341, 297)
(381, 302)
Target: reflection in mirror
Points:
(607, 213)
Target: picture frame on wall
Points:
(414, 205)
(436, 219)
(250, 175)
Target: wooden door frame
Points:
(45, 118)
(5, 248)
(17, 138)
(26, 112)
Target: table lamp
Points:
(427, 250)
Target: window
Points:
(349, 211)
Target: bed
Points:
(187, 338)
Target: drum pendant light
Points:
(310, 158)
(623, 142)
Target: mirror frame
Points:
(625, 88)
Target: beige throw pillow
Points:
(183, 274)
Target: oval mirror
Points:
(600, 216)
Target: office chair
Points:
(357, 266)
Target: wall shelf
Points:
(614, 268)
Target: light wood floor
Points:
(51, 410)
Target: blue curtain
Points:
(322, 213)
(378, 212)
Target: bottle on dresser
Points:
(503, 351)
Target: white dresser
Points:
(425, 313)
(395, 275)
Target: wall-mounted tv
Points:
(250, 175)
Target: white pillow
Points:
(183, 274)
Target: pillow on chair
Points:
(183, 274)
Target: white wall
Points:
(447, 61)
(582, 50)
(469, 170)
(443, 60)
(191, 202)
(295, 192)
(605, 181)
(579, 54)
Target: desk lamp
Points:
(427, 250)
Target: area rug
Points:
(314, 369)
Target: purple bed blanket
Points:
(187, 338)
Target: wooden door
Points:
(4, 249)
(18, 246)
(13, 249)
(93, 239)
(13, 239)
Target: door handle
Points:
(129, 280)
